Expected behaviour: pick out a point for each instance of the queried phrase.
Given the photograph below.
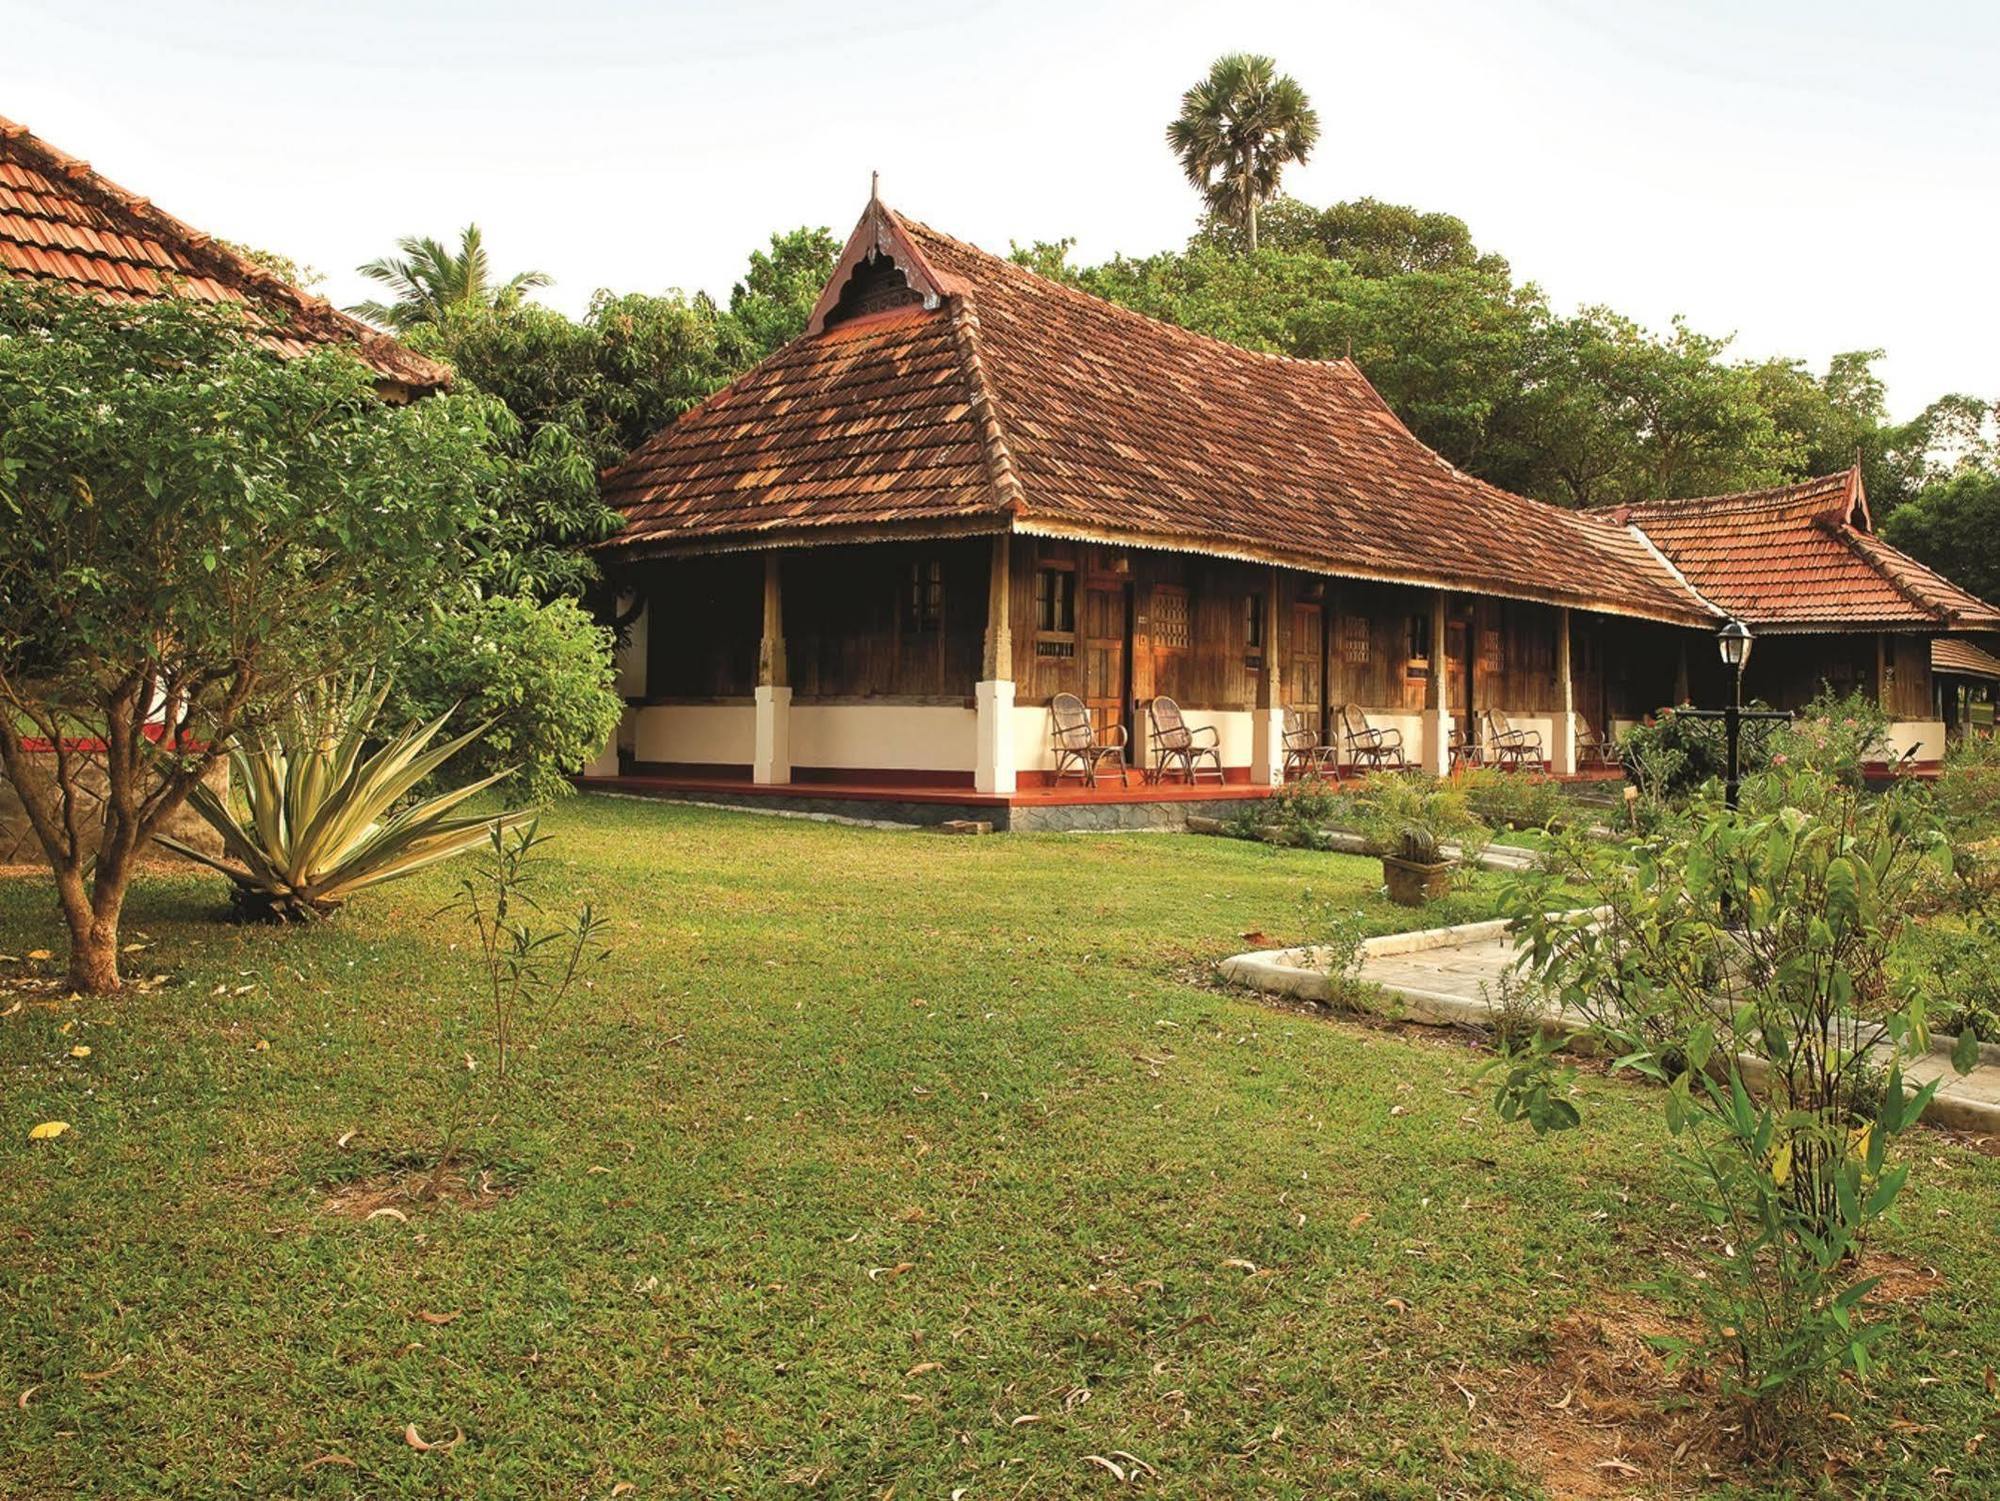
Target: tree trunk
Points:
(1253, 222)
(93, 955)
(93, 920)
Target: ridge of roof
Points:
(985, 405)
(1768, 497)
(1104, 304)
(316, 319)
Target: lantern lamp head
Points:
(1733, 640)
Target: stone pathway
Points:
(1444, 976)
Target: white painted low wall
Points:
(701, 734)
(889, 737)
(1926, 734)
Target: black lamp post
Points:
(1733, 640)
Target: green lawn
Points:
(874, 1162)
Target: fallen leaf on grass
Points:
(387, 1213)
(923, 1369)
(1238, 1261)
(263, 1045)
(437, 1318)
(38, 955)
(877, 1273)
(1396, 1303)
(417, 1441)
(623, 1487)
(48, 1130)
(79, 1051)
(346, 1137)
(13, 1008)
(1619, 1466)
(110, 1370)
(1115, 1470)
(1026, 1417)
(27, 1392)
(329, 1459)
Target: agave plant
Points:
(320, 818)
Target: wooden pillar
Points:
(1562, 754)
(1437, 690)
(1682, 692)
(772, 759)
(1267, 717)
(1882, 658)
(993, 762)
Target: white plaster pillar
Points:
(1562, 754)
(1267, 719)
(1437, 693)
(993, 768)
(771, 761)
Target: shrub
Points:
(1674, 753)
(1836, 735)
(1511, 799)
(1758, 949)
(1968, 789)
(539, 674)
(1382, 807)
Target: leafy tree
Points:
(1377, 239)
(769, 307)
(1238, 129)
(429, 280)
(1611, 413)
(193, 529)
(1954, 526)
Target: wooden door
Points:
(1106, 652)
(1458, 669)
(1304, 675)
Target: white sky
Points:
(1813, 176)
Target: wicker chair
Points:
(1176, 743)
(1079, 750)
(1368, 747)
(1509, 747)
(1592, 747)
(1306, 752)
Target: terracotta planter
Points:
(1412, 885)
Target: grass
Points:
(874, 1162)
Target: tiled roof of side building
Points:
(1013, 400)
(1803, 557)
(1964, 658)
(62, 222)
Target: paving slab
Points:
(1449, 977)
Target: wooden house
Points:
(875, 559)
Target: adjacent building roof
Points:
(61, 222)
(1963, 659)
(963, 392)
(1802, 557)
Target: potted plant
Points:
(1418, 871)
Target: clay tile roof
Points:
(1964, 659)
(60, 221)
(1803, 557)
(1001, 399)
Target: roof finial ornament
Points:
(874, 187)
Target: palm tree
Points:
(1238, 129)
(429, 279)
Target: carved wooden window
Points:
(1055, 611)
(923, 597)
(1171, 629)
(1355, 638)
(877, 285)
(1492, 649)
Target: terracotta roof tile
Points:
(1008, 400)
(1802, 557)
(60, 221)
